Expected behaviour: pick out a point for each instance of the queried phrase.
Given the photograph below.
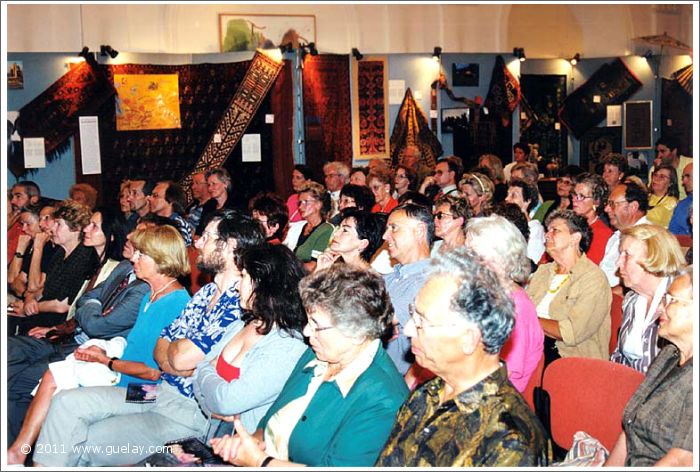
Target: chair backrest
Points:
(198, 278)
(588, 395)
(535, 381)
(615, 320)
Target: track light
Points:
(289, 47)
(648, 55)
(437, 51)
(519, 53)
(357, 54)
(312, 49)
(105, 50)
(84, 52)
(574, 60)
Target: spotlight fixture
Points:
(437, 51)
(648, 55)
(574, 60)
(84, 52)
(519, 53)
(312, 49)
(289, 47)
(357, 54)
(108, 50)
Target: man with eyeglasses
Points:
(680, 223)
(668, 152)
(627, 206)
(335, 175)
(410, 231)
(470, 415)
(22, 194)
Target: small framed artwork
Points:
(454, 118)
(248, 32)
(638, 124)
(465, 75)
(15, 75)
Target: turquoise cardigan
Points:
(343, 432)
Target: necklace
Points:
(153, 296)
(558, 287)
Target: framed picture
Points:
(15, 75)
(465, 75)
(248, 32)
(596, 143)
(638, 124)
(454, 117)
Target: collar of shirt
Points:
(407, 270)
(534, 210)
(335, 195)
(448, 189)
(347, 377)
(470, 399)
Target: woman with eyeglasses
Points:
(589, 198)
(478, 190)
(649, 257)
(310, 238)
(71, 265)
(663, 195)
(380, 182)
(657, 424)
(451, 216)
(405, 180)
(339, 404)
(159, 257)
(571, 294)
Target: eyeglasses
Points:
(579, 196)
(614, 203)
(315, 328)
(207, 235)
(565, 182)
(440, 215)
(669, 299)
(419, 320)
(305, 202)
(331, 175)
(137, 255)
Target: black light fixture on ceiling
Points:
(312, 49)
(648, 55)
(437, 51)
(519, 53)
(357, 54)
(574, 60)
(289, 47)
(84, 52)
(108, 50)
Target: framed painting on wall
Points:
(596, 143)
(453, 117)
(15, 75)
(638, 123)
(248, 32)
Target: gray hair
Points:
(505, 245)
(480, 297)
(355, 299)
(340, 167)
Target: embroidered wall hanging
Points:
(411, 128)
(370, 108)
(147, 101)
(257, 82)
(504, 92)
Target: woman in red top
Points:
(380, 181)
(589, 197)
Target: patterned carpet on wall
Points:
(371, 109)
(328, 127)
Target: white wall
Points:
(545, 31)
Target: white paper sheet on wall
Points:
(614, 115)
(90, 145)
(34, 154)
(250, 148)
(397, 89)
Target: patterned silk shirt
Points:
(488, 425)
(201, 326)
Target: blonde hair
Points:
(664, 254)
(481, 184)
(165, 246)
(319, 193)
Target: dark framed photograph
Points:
(596, 143)
(638, 124)
(15, 75)
(454, 118)
(465, 75)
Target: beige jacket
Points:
(582, 308)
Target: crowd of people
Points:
(387, 317)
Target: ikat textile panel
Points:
(370, 108)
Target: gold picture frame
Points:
(248, 32)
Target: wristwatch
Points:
(19, 254)
(111, 361)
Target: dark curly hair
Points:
(576, 224)
(363, 196)
(275, 273)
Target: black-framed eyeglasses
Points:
(579, 196)
(615, 203)
(440, 215)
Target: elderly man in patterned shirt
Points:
(470, 414)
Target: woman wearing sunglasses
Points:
(451, 216)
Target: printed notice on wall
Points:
(250, 148)
(614, 115)
(90, 145)
(34, 154)
(397, 89)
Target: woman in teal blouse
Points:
(339, 404)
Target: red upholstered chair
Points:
(588, 395)
(615, 320)
(535, 381)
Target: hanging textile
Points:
(257, 82)
(328, 124)
(411, 128)
(53, 115)
(684, 77)
(370, 108)
(504, 92)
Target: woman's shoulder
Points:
(382, 379)
(177, 297)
